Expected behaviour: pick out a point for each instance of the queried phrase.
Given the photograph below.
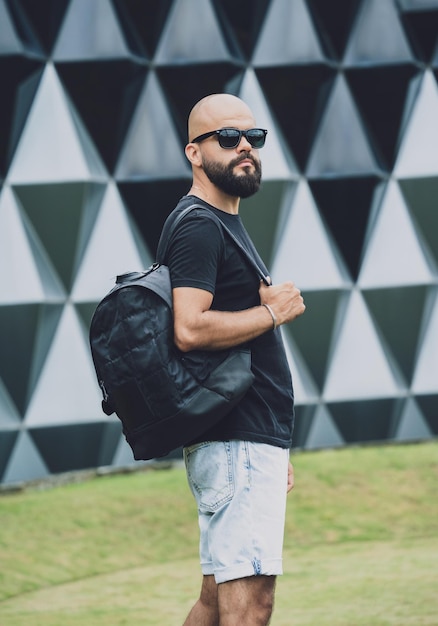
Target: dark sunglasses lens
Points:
(256, 138)
(229, 138)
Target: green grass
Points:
(361, 545)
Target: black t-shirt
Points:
(202, 255)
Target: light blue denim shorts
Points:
(240, 489)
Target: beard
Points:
(237, 186)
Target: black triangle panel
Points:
(43, 17)
(297, 96)
(20, 77)
(105, 94)
(429, 406)
(77, 446)
(63, 216)
(149, 203)
(186, 84)
(142, 22)
(421, 28)
(7, 441)
(32, 326)
(398, 313)
(421, 197)
(366, 420)
(243, 19)
(334, 24)
(380, 94)
(345, 205)
(313, 332)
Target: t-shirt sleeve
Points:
(195, 252)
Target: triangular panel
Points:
(305, 252)
(421, 27)
(305, 389)
(25, 462)
(63, 215)
(367, 420)
(346, 205)
(144, 29)
(54, 146)
(183, 41)
(412, 425)
(90, 30)
(378, 36)
(45, 17)
(384, 113)
(123, 456)
(359, 367)
(394, 255)
(429, 407)
(323, 432)
(243, 19)
(288, 36)
(297, 96)
(67, 390)
(151, 126)
(10, 43)
(7, 441)
(9, 416)
(418, 154)
(401, 332)
(335, 26)
(111, 250)
(341, 145)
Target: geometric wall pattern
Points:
(94, 101)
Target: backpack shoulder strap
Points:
(162, 248)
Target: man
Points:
(239, 471)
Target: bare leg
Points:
(205, 612)
(246, 601)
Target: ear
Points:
(193, 154)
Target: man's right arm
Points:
(198, 327)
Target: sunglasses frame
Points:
(243, 133)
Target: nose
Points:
(244, 145)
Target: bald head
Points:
(218, 111)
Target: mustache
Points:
(245, 156)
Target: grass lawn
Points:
(361, 545)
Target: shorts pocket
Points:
(210, 474)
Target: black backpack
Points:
(161, 401)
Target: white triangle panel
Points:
(187, 38)
(305, 254)
(25, 462)
(378, 36)
(67, 390)
(90, 30)
(151, 126)
(425, 379)
(277, 163)
(19, 279)
(412, 424)
(111, 251)
(54, 145)
(288, 35)
(418, 154)
(359, 368)
(323, 432)
(341, 144)
(394, 256)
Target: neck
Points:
(216, 198)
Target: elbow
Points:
(184, 339)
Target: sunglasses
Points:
(230, 137)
